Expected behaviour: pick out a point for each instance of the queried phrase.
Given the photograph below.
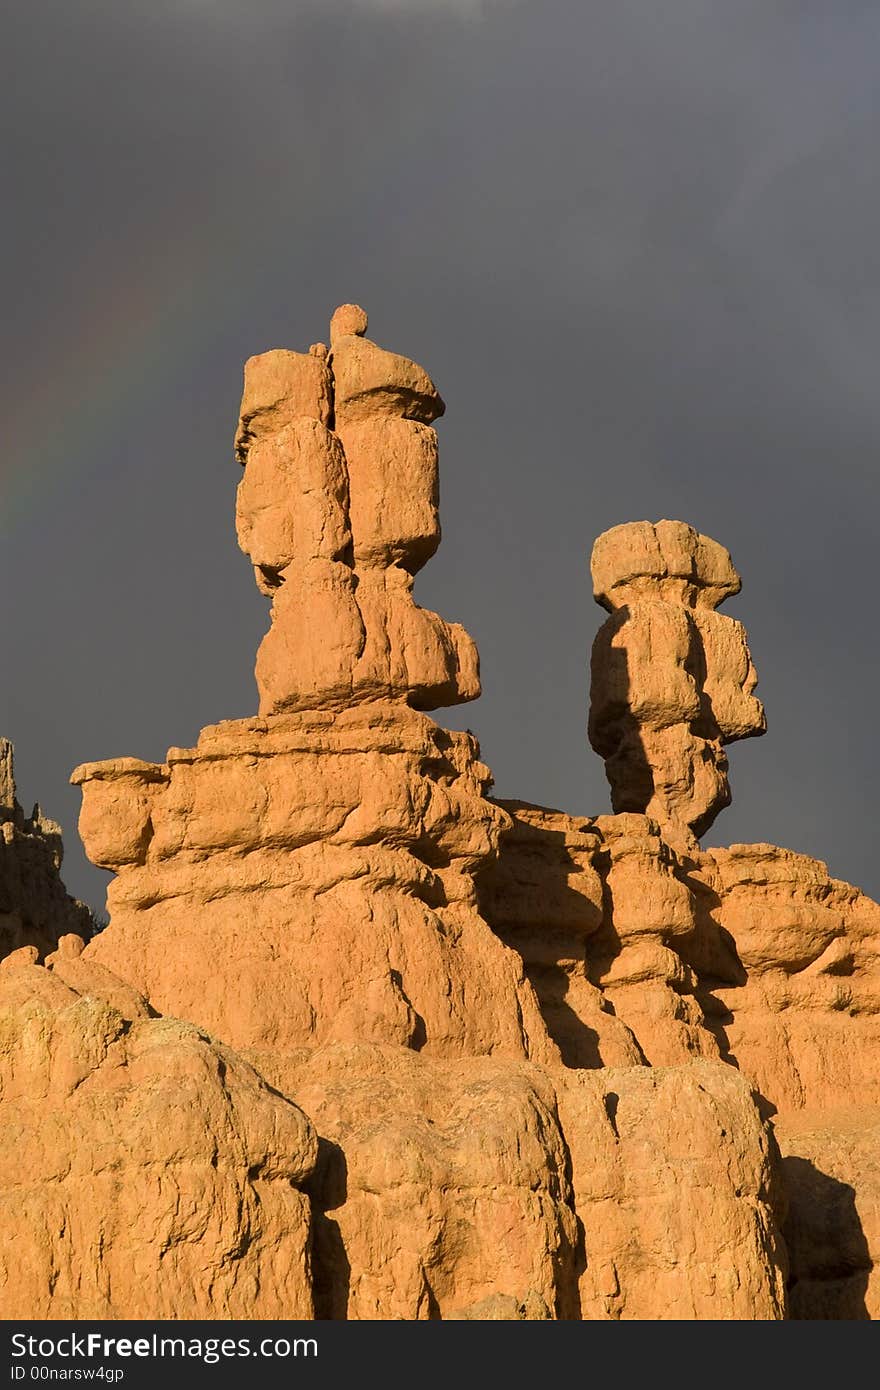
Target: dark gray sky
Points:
(637, 245)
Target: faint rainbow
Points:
(151, 319)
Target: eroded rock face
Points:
(35, 907)
(324, 864)
(538, 1051)
(146, 1172)
(753, 955)
(675, 1183)
(637, 950)
(598, 909)
(494, 1189)
(440, 1185)
(672, 680)
(803, 1015)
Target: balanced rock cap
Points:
(349, 320)
(627, 555)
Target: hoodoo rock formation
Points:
(644, 948)
(361, 1041)
(338, 511)
(672, 679)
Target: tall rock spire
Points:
(338, 510)
(672, 680)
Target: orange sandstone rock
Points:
(672, 680)
(538, 1050)
(676, 1186)
(279, 388)
(493, 1189)
(292, 503)
(325, 865)
(802, 1014)
(831, 1169)
(440, 1185)
(600, 911)
(337, 510)
(146, 1171)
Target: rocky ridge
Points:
(475, 1059)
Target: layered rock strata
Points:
(600, 911)
(640, 953)
(752, 954)
(479, 1059)
(332, 859)
(323, 854)
(324, 864)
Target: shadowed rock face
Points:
(491, 1061)
(831, 1168)
(672, 680)
(35, 907)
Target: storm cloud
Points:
(636, 245)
